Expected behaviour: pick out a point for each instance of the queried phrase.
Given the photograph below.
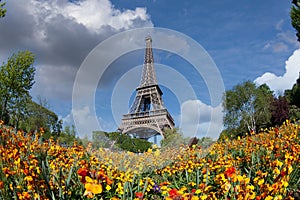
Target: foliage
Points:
(294, 112)
(295, 94)
(259, 166)
(16, 79)
(293, 98)
(295, 17)
(247, 108)
(173, 138)
(38, 116)
(280, 110)
(205, 142)
(2, 10)
(125, 142)
(101, 139)
(67, 137)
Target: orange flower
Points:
(229, 172)
(164, 183)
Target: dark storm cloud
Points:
(52, 30)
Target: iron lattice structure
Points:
(147, 116)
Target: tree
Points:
(205, 142)
(125, 142)
(295, 94)
(67, 137)
(38, 116)
(172, 138)
(295, 17)
(2, 10)
(246, 108)
(100, 139)
(294, 112)
(293, 98)
(279, 110)
(16, 79)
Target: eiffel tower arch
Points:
(147, 116)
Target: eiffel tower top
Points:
(148, 74)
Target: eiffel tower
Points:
(147, 116)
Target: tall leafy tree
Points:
(293, 98)
(2, 10)
(16, 79)
(38, 116)
(246, 108)
(280, 110)
(295, 17)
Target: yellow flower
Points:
(261, 181)
(278, 163)
(91, 186)
(285, 184)
(269, 198)
(108, 187)
(279, 197)
(250, 187)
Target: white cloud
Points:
(97, 13)
(93, 14)
(61, 33)
(85, 121)
(279, 25)
(281, 83)
(200, 120)
(283, 41)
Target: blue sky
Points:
(247, 40)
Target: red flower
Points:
(229, 172)
(282, 173)
(20, 144)
(139, 195)
(173, 193)
(83, 173)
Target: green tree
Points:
(205, 142)
(39, 116)
(125, 142)
(2, 10)
(293, 98)
(16, 79)
(294, 112)
(67, 136)
(295, 17)
(173, 138)
(100, 139)
(295, 94)
(247, 108)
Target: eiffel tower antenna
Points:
(147, 116)
(148, 75)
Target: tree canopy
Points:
(2, 10)
(246, 108)
(295, 17)
(16, 79)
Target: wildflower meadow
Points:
(263, 165)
